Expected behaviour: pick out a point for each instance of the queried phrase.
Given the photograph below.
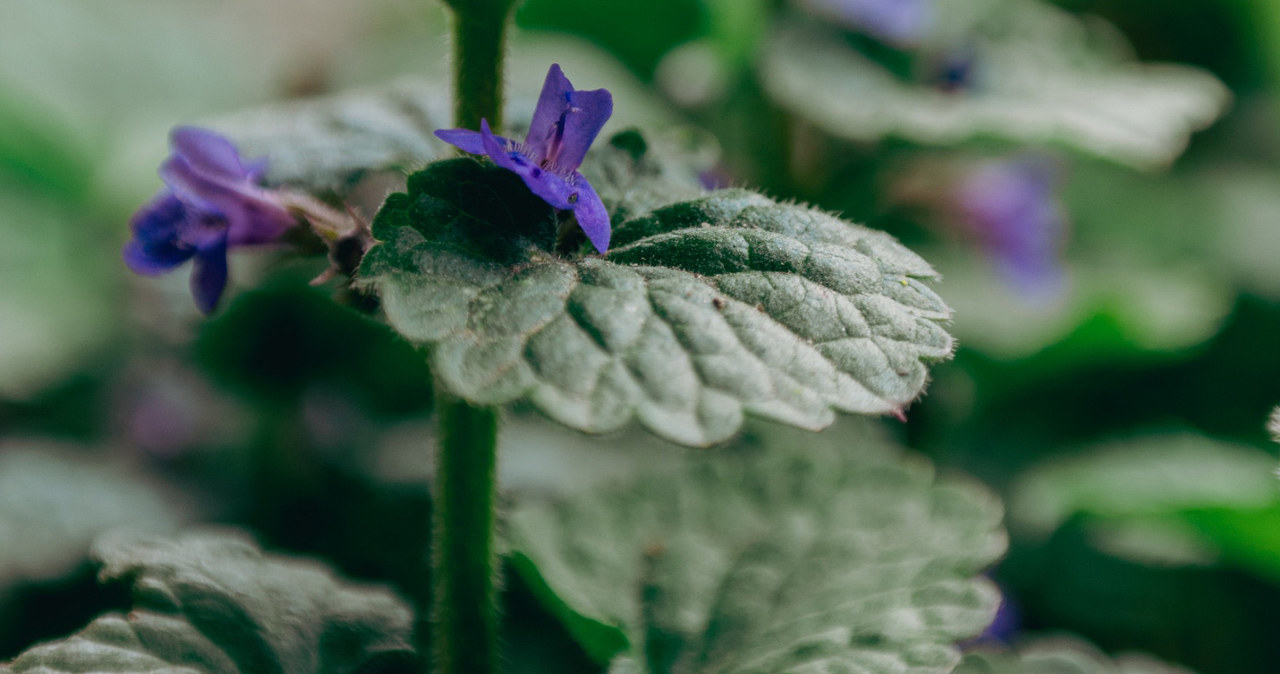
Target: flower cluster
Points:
(211, 202)
(565, 123)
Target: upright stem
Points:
(464, 627)
(464, 610)
(479, 34)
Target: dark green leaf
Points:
(209, 603)
(1062, 656)
(825, 553)
(702, 312)
(1040, 77)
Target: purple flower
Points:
(211, 202)
(897, 22)
(565, 123)
(1012, 208)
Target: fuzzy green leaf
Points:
(1040, 77)
(702, 312)
(214, 603)
(803, 553)
(1062, 656)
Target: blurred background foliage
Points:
(1119, 405)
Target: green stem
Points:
(464, 628)
(479, 34)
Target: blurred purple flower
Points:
(897, 22)
(565, 123)
(211, 202)
(1012, 208)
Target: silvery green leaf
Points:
(1062, 655)
(702, 312)
(215, 603)
(832, 552)
(1041, 77)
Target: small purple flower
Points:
(565, 123)
(1013, 209)
(897, 22)
(211, 202)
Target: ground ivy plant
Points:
(585, 272)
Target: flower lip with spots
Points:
(565, 123)
(211, 202)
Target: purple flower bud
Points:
(897, 22)
(565, 123)
(1012, 208)
(211, 202)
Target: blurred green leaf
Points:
(1245, 537)
(1143, 262)
(215, 603)
(1062, 655)
(328, 143)
(1158, 475)
(799, 552)
(56, 499)
(59, 301)
(1040, 76)
(703, 310)
(287, 339)
(638, 33)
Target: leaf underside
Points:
(702, 312)
(1039, 77)
(214, 603)
(828, 553)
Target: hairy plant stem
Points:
(479, 36)
(464, 612)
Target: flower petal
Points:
(553, 189)
(464, 139)
(209, 277)
(552, 103)
(587, 113)
(261, 221)
(157, 245)
(592, 216)
(208, 152)
(251, 215)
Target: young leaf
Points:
(208, 603)
(1062, 656)
(1039, 77)
(822, 553)
(702, 312)
(55, 500)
